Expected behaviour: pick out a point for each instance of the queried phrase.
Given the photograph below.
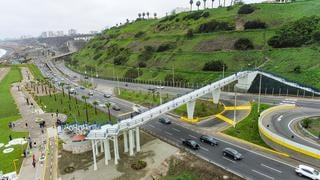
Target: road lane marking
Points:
(228, 159)
(151, 125)
(204, 148)
(262, 174)
(176, 129)
(271, 168)
(279, 118)
(192, 136)
(168, 133)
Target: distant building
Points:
(60, 33)
(44, 35)
(51, 34)
(93, 32)
(72, 32)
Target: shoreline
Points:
(3, 52)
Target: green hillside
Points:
(151, 49)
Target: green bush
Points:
(213, 26)
(120, 60)
(243, 44)
(133, 73)
(142, 64)
(297, 69)
(137, 165)
(214, 66)
(165, 47)
(139, 34)
(196, 15)
(246, 9)
(255, 24)
(316, 37)
(189, 33)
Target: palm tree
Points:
(204, 4)
(191, 2)
(108, 105)
(219, 3)
(148, 14)
(85, 102)
(155, 15)
(143, 15)
(95, 103)
(62, 85)
(139, 15)
(212, 4)
(198, 4)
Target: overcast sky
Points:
(31, 17)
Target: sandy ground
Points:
(3, 72)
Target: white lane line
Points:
(151, 125)
(168, 133)
(204, 148)
(279, 118)
(271, 168)
(176, 129)
(229, 160)
(262, 174)
(192, 136)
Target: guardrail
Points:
(309, 151)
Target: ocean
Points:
(2, 52)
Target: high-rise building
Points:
(60, 33)
(51, 34)
(72, 32)
(44, 34)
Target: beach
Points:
(2, 52)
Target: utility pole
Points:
(259, 98)
(173, 76)
(223, 70)
(234, 111)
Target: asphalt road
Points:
(253, 166)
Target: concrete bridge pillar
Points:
(96, 146)
(244, 83)
(94, 155)
(216, 95)
(125, 141)
(116, 150)
(101, 146)
(130, 142)
(190, 108)
(137, 139)
(107, 155)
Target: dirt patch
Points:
(216, 44)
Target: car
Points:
(160, 87)
(151, 89)
(191, 144)
(232, 153)
(82, 88)
(90, 93)
(309, 172)
(164, 121)
(107, 95)
(86, 77)
(115, 107)
(209, 140)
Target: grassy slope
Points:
(314, 126)
(9, 113)
(190, 55)
(247, 129)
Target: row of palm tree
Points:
(146, 14)
(198, 3)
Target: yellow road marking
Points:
(123, 114)
(190, 120)
(225, 119)
(229, 108)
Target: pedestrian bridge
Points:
(130, 126)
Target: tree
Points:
(189, 33)
(243, 44)
(215, 66)
(204, 4)
(139, 15)
(148, 14)
(198, 4)
(306, 123)
(155, 15)
(95, 103)
(86, 106)
(191, 2)
(212, 3)
(108, 105)
(246, 9)
(62, 87)
(143, 15)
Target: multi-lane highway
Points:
(253, 166)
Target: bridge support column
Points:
(101, 146)
(107, 155)
(125, 141)
(96, 146)
(190, 108)
(94, 155)
(131, 142)
(216, 95)
(244, 83)
(138, 139)
(116, 150)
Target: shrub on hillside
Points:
(177, 78)
(316, 37)
(120, 60)
(296, 34)
(165, 47)
(214, 66)
(142, 64)
(139, 34)
(137, 165)
(146, 54)
(243, 44)
(196, 15)
(297, 69)
(168, 18)
(256, 24)
(213, 26)
(148, 48)
(189, 33)
(246, 9)
(133, 73)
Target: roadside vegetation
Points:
(9, 113)
(35, 72)
(312, 125)
(240, 37)
(248, 129)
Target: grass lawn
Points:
(86, 84)
(35, 72)
(9, 113)
(247, 129)
(203, 108)
(76, 111)
(314, 126)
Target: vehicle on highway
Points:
(309, 172)
(115, 107)
(137, 109)
(82, 88)
(86, 77)
(209, 140)
(232, 153)
(164, 120)
(191, 144)
(160, 87)
(107, 95)
(151, 89)
(90, 93)
(72, 91)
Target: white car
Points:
(309, 172)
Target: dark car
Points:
(209, 140)
(115, 107)
(107, 95)
(164, 121)
(232, 153)
(191, 144)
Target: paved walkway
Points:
(38, 136)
